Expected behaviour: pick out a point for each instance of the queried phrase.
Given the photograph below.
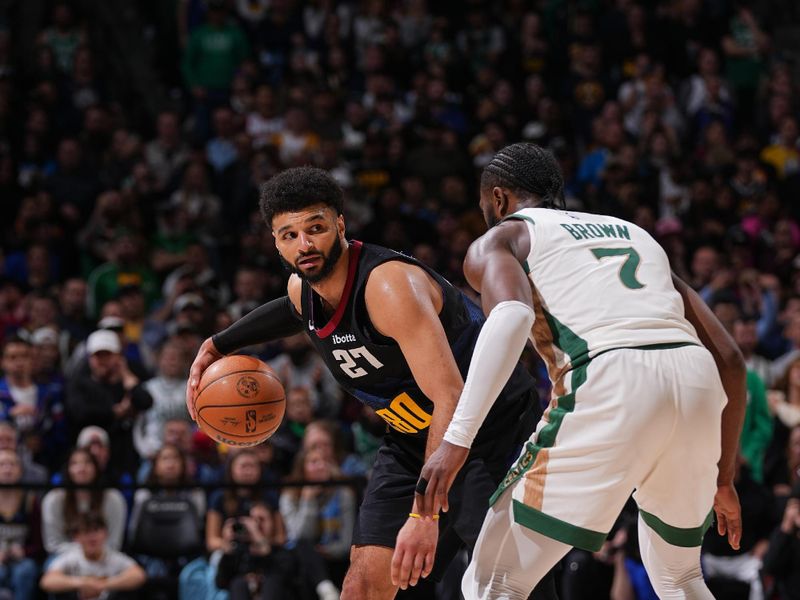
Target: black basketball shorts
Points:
(390, 491)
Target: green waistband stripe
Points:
(677, 536)
(664, 346)
(585, 539)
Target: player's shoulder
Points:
(294, 288)
(510, 235)
(394, 276)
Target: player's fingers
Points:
(428, 564)
(423, 493)
(443, 497)
(721, 523)
(734, 524)
(405, 569)
(432, 497)
(416, 568)
(397, 561)
(190, 391)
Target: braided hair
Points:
(526, 169)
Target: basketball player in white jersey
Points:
(648, 391)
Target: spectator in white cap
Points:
(95, 440)
(110, 396)
(78, 362)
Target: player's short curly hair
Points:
(526, 169)
(298, 188)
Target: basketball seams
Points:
(248, 374)
(245, 438)
(240, 405)
(266, 373)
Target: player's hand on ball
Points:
(729, 514)
(206, 356)
(414, 551)
(437, 477)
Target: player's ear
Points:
(500, 201)
(497, 197)
(340, 225)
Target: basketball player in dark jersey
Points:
(399, 337)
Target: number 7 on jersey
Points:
(627, 272)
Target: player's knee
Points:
(507, 590)
(362, 588)
(679, 581)
(477, 586)
(367, 578)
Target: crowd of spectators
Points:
(127, 241)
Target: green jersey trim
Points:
(677, 536)
(518, 217)
(585, 539)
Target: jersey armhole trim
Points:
(517, 217)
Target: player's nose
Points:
(305, 241)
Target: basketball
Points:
(240, 401)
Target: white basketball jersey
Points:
(598, 283)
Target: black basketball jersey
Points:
(372, 367)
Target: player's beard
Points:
(329, 260)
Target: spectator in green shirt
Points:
(757, 429)
(214, 52)
(124, 269)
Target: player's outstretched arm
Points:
(493, 266)
(271, 321)
(732, 370)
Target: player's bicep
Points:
(403, 306)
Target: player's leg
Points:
(509, 559)
(482, 477)
(571, 483)
(676, 497)
(369, 574)
(674, 571)
(384, 510)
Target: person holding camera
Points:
(255, 566)
(782, 559)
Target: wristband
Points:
(417, 516)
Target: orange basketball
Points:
(240, 401)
